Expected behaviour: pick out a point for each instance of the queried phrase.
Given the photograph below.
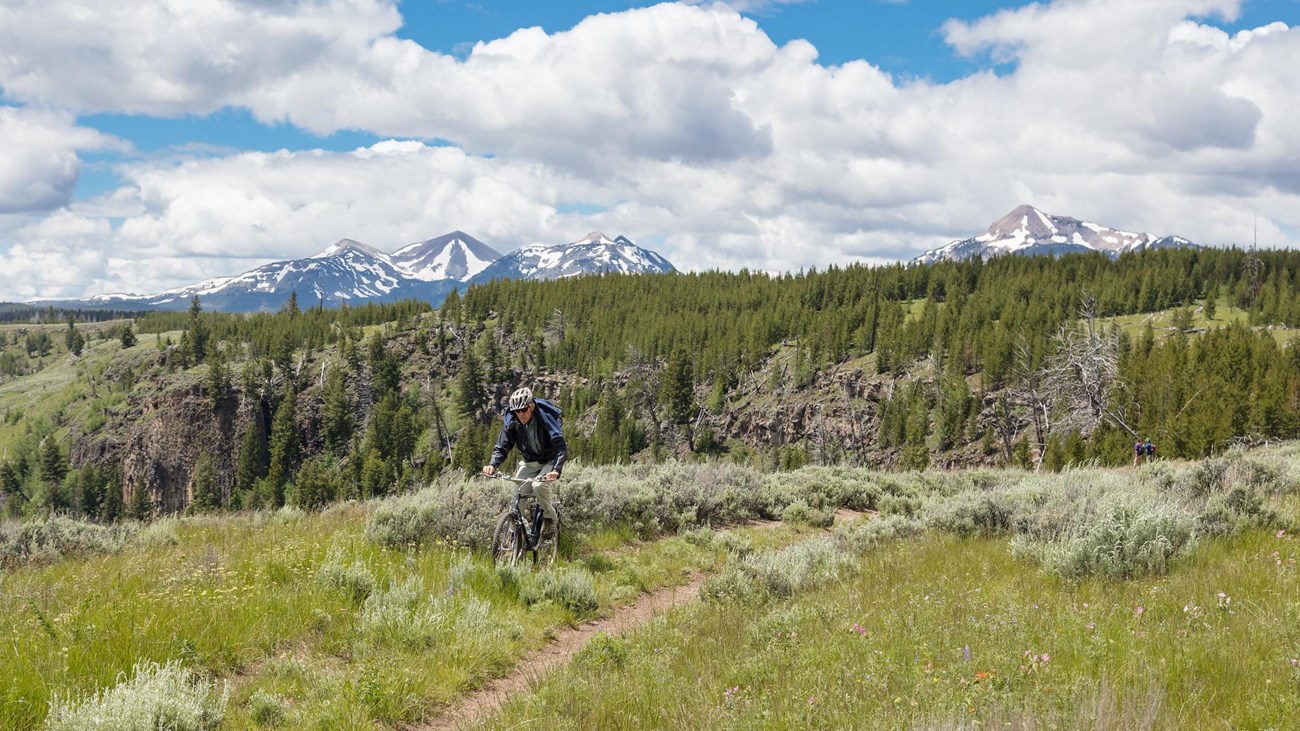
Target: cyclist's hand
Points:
(489, 470)
(551, 476)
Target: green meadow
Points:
(1162, 597)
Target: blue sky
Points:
(149, 148)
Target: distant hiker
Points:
(1150, 450)
(1138, 450)
(533, 426)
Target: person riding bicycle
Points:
(532, 425)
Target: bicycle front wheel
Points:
(507, 540)
(548, 549)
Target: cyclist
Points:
(533, 426)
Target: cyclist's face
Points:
(525, 414)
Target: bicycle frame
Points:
(514, 534)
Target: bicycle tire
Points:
(545, 554)
(507, 543)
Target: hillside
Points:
(952, 364)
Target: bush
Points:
(405, 615)
(46, 540)
(800, 513)
(267, 709)
(778, 573)
(1127, 538)
(353, 578)
(569, 587)
(156, 697)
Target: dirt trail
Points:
(538, 664)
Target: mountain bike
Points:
(515, 535)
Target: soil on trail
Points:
(537, 665)
(480, 704)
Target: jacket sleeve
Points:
(561, 449)
(505, 442)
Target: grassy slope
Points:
(245, 598)
(1212, 645)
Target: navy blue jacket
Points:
(550, 437)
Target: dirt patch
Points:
(537, 665)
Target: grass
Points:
(946, 632)
(311, 623)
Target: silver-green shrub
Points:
(353, 577)
(267, 709)
(1127, 536)
(801, 513)
(45, 540)
(405, 615)
(570, 587)
(779, 573)
(156, 697)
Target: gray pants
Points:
(529, 470)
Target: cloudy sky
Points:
(147, 144)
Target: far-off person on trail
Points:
(1150, 450)
(533, 426)
(1138, 450)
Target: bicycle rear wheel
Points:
(507, 541)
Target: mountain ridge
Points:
(349, 272)
(1027, 230)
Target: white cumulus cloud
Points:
(678, 123)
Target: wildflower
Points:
(1295, 662)
(812, 699)
(1092, 626)
(965, 653)
(1281, 534)
(862, 631)
(1137, 611)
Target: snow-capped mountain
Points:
(456, 255)
(1027, 230)
(350, 272)
(594, 253)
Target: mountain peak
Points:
(1027, 230)
(595, 237)
(343, 246)
(1023, 218)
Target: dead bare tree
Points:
(1083, 373)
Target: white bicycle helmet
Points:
(520, 399)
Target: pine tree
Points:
(336, 413)
(141, 507)
(53, 464)
(112, 497)
(284, 447)
(218, 380)
(198, 332)
(253, 460)
(127, 337)
(472, 399)
(207, 491)
(678, 391)
(73, 339)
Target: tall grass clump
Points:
(46, 540)
(156, 697)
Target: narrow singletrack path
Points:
(535, 666)
(538, 664)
